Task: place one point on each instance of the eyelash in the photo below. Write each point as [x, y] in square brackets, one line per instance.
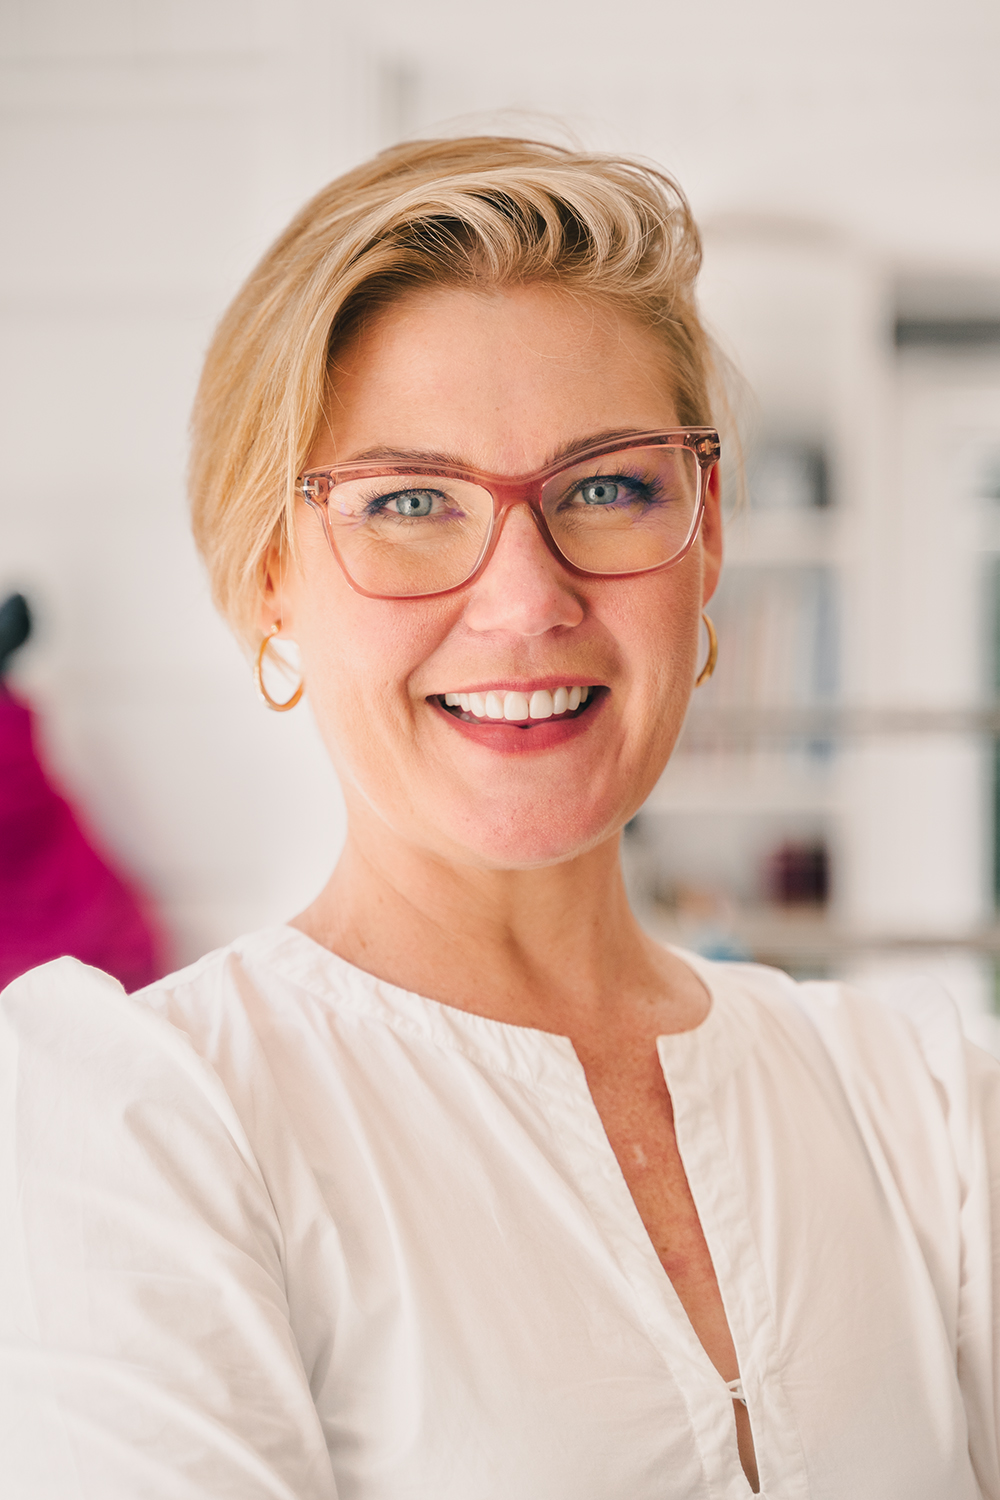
[647, 490]
[377, 503]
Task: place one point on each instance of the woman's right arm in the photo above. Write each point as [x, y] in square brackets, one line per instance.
[145, 1346]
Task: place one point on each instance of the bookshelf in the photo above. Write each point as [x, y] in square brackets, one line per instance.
[853, 718]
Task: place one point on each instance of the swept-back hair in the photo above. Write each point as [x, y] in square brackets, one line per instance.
[484, 211]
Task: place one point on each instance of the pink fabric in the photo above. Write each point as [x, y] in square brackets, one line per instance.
[57, 895]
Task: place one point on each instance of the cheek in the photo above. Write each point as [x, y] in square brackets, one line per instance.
[656, 622]
[352, 687]
[359, 655]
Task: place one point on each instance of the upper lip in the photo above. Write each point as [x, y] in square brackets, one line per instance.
[507, 685]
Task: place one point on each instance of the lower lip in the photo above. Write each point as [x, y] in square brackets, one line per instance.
[524, 739]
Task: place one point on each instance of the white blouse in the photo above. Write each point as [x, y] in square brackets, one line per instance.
[273, 1228]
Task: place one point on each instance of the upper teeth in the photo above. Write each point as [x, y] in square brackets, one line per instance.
[519, 706]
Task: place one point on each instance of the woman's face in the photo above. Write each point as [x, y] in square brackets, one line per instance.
[498, 381]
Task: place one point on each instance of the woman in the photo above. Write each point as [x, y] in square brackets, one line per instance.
[459, 1186]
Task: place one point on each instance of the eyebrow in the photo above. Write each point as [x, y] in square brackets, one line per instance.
[387, 455]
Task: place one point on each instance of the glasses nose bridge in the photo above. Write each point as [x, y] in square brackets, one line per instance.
[509, 493]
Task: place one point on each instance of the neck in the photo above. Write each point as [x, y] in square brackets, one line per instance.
[557, 948]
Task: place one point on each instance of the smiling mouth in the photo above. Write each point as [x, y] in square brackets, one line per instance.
[523, 710]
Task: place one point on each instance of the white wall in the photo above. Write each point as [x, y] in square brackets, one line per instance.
[875, 117]
[149, 153]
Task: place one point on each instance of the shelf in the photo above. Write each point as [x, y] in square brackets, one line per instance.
[796, 938]
[732, 726]
[716, 781]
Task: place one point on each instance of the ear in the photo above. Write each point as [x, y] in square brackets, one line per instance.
[711, 536]
[275, 604]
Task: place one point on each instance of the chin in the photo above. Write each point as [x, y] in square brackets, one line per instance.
[524, 839]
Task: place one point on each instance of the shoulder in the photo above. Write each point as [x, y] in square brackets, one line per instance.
[65, 1018]
[245, 1041]
[912, 1079]
[189, 1079]
[913, 1021]
[67, 1015]
[97, 1087]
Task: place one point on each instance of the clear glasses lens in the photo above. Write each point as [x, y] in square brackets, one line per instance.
[624, 512]
[403, 534]
[410, 534]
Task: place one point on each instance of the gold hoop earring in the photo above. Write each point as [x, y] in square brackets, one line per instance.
[713, 653]
[258, 677]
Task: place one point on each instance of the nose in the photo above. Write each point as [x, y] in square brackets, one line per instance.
[523, 590]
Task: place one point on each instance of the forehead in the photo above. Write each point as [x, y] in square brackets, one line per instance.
[497, 379]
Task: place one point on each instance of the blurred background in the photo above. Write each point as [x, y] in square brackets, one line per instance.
[833, 806]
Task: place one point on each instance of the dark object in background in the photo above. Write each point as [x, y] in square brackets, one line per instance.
[798, 874]
[15, 626]
[57, 895]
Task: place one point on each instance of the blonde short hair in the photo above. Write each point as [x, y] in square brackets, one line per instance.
[482, 211]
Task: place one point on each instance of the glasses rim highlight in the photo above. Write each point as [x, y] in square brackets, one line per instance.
[315, 485]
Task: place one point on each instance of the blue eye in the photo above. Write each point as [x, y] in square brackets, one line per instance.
[599, 492]
[412, 502]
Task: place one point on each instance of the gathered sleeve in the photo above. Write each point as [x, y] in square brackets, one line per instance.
[145, 1343]
[967, 1082]
[979, 1319]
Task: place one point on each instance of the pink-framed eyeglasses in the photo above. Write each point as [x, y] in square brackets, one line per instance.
[408, 530]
